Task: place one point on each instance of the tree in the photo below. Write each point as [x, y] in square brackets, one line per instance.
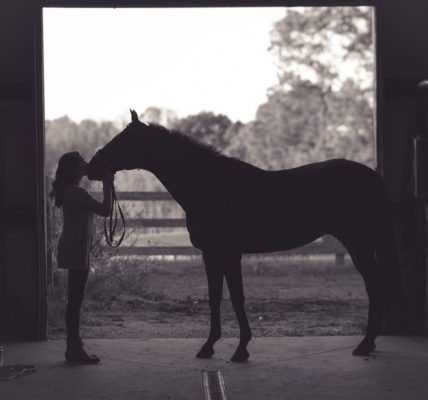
[322, 105]
[160, 116]
[63, 135]
[319, 43]
[207, 127]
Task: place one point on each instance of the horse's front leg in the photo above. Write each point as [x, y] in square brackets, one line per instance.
[213, 268]
[234, 281]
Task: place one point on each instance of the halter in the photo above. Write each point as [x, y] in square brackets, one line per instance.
[110, 222]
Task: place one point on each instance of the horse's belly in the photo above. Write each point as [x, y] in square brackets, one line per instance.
[257, 232]
[276, 240]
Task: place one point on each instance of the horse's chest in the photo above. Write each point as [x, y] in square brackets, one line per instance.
[206, 230]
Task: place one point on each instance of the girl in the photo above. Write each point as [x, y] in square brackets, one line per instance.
[75, 241]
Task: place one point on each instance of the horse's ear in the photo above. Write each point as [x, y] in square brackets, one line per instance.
[134, 116]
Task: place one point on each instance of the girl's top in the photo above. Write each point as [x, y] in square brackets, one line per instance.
[78, 210]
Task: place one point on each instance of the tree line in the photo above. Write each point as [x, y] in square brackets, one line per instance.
[321, 107]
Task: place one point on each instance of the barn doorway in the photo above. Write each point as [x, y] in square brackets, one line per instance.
[303, 79]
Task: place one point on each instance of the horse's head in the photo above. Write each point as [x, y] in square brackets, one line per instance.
[122, 152]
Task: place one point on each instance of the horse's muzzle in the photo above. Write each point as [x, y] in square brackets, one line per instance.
[95, 175]
[99, 166]
[99, 175]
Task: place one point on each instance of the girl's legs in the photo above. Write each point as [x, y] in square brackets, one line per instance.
[76, 291]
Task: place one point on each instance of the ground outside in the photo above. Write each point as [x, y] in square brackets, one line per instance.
[298, 368]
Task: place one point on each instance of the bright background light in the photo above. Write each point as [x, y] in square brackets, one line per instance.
[98, 63]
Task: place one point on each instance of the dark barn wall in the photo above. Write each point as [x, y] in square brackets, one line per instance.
[20, 269]
[402, 62]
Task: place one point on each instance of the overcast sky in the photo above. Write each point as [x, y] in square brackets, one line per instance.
[101, 62]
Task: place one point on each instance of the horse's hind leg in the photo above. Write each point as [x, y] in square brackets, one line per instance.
[364, 260]
[372, 282]
[234, 281]
[214, 270]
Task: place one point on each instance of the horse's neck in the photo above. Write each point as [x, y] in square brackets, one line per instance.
[178, 183]
[180, 172]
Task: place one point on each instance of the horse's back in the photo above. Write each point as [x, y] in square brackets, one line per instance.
[334, 171]
[289, 208]
[326, 183]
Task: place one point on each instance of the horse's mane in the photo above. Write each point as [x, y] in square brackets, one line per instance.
[186, 144]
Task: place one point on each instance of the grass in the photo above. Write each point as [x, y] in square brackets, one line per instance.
[140, 298]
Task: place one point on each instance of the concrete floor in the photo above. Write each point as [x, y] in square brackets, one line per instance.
[313, 368]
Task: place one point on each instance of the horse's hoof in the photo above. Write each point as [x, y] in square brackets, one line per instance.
[364, 349]
[205, 352]
[240, 356]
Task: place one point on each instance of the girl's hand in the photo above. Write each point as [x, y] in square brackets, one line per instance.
[109, 178]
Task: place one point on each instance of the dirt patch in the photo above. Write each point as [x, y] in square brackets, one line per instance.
[284, 297]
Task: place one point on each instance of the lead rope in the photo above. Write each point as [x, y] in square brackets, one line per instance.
[110, 222]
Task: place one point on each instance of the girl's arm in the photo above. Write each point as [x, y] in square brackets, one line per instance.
[107, 194]
[82, 199]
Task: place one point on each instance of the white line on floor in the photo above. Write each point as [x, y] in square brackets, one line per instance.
[214, 386]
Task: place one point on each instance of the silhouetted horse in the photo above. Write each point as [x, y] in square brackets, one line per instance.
[233, 208]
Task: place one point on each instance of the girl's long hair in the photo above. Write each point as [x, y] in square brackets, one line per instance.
[66, 175]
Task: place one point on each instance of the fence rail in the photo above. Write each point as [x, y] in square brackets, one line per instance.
[156, 223]
[327, 245]
[144, 196]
